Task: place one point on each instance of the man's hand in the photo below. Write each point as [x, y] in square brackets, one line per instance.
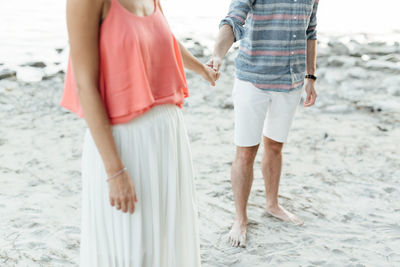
[215, 63]
[311, 94]
[209, 74]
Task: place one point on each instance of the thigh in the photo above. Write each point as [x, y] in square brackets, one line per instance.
[280, 115]
[250, 107]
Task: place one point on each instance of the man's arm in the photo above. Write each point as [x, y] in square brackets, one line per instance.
[311, 56]
[231, 30]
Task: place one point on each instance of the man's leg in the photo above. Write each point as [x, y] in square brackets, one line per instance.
[250, 105]
[271, 170]
[276, 130]
[242, 178]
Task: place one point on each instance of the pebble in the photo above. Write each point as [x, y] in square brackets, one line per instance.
[35, 64]
[341, 61]
[6, 73]
[227, 104]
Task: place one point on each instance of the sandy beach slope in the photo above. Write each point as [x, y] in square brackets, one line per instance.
[341, 169]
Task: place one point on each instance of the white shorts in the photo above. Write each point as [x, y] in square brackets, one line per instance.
[260, 112]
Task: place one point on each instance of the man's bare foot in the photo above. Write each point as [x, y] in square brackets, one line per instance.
[281, 213]
[237, 235]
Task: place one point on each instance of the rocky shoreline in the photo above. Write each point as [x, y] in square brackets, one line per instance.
[341, 167]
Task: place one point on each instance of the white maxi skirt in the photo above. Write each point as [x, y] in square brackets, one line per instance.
[163, 231]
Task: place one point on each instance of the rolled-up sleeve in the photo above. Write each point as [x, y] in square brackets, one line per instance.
[312, 26]
[236, 17]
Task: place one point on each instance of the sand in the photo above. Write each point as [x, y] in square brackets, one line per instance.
[341, 169]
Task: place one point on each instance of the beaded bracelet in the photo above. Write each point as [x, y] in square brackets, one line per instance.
[117, 174]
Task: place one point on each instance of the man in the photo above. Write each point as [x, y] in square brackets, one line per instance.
[277, 50]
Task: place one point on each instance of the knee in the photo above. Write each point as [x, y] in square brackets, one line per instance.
[246, 156]
[272, 147]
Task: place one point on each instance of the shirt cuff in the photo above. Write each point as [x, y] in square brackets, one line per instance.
[237, 27]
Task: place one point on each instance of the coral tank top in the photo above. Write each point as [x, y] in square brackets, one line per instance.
[140, 66]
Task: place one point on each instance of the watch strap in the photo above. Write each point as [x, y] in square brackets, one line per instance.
[310, 76]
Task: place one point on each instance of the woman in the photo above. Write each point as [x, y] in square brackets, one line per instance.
[126, 76]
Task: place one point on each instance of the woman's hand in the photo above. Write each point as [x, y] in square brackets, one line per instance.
[209, 75]
[122, 193]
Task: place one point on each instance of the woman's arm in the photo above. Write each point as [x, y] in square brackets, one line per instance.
[192, 63]
[83, 18]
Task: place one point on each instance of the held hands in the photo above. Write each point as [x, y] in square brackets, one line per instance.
[210, 75]
[215, 63]
[311, 94]
[211, 70]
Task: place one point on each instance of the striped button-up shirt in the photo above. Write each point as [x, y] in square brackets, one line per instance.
[273, 34]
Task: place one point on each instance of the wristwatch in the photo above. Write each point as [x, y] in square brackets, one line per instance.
[310, 76]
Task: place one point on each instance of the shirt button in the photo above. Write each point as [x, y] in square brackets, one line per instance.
[295, 0]
[295, 17]
[292, 53]
[294, 35]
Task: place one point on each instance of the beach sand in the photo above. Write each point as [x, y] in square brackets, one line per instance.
[341, 168]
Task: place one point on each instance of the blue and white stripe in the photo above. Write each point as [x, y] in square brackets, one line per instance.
[273, 34]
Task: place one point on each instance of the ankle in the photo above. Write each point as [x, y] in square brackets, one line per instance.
[241, 220]
[273, 205]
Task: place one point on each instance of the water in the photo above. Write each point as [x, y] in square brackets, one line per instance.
[31, 30]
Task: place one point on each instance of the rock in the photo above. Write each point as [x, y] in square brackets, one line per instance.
[227, 104]
[381, 128]
[395, 90]
[53, 75]
[389, 105]
[380, 65]
[392, 85]
[28, 74]
[358, 73]
[392, 58]
[338, 48]
[35, 64]
[379, 48]
[6, 73]
[324, 51]
[340, 61]
[197, 51]
[365, 57]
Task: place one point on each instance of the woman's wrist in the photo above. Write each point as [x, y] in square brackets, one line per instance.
[117, 174]
[113, 166]
[198, 67]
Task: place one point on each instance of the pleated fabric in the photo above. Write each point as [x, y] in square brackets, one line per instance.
[163, 231]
